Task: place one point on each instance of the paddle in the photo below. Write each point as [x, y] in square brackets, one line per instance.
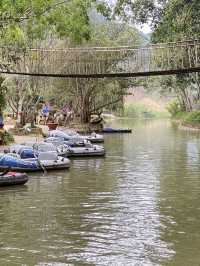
[41, 165]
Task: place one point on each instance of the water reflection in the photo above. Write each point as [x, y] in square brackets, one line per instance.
[136, 206]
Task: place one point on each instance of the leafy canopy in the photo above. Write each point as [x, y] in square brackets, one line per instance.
[22, 21]
[180, 21]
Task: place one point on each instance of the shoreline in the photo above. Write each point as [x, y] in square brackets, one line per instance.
[182, 126]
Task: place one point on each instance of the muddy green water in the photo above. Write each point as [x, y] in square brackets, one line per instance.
[140, 205]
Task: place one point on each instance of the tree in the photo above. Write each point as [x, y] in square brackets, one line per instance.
[22, 22]
[28, 23]
[140, 11]
[2, 100]
[180, 21]
[91, 96]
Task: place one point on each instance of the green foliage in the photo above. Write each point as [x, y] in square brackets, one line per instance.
[138, 110]
[6, 137]
[174, 108]
[23, 21]
[175, 25]
[188, 118]
[91, 96]
[112, 33]
[140, 11]
[192, 118]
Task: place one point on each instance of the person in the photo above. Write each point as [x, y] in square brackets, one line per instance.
[45, 112]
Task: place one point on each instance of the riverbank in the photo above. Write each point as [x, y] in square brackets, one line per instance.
[187, 120]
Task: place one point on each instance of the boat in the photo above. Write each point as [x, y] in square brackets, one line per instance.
[16, 164]
[42, 156]
[57, 141]
[88, 150]
[50, 161]
[68, 135]
[95, 138]
[116, 130]
[12, 179]
[47, 154]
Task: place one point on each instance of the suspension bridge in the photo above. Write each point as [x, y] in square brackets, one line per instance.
[103, 62]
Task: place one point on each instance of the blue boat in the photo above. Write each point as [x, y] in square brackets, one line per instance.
[43, 156]
[15, 164]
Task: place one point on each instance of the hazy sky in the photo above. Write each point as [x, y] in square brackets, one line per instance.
[144, 28]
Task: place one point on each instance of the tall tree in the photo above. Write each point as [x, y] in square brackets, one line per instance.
[180, 21]
[24, 21]
[92, 96]
[38, 22]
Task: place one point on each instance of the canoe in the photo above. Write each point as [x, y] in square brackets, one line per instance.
[116, 130]
[13, 179]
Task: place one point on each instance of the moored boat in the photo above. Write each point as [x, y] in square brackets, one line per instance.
[34, 159]
[68, 135]
[116, 130]
[86, 151]
[15, 164]
[12, 179]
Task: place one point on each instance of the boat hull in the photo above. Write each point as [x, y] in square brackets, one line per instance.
[112, 130]
[78, 152]
[95, 140]
[32, 164]
[13, 179]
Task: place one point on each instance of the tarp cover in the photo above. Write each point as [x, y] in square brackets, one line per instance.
[11, 162]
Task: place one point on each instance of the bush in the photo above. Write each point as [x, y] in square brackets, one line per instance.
[174, 108]
[141, 111]
[5, 137]
[192, 118]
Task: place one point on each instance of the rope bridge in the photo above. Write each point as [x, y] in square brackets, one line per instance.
[102, 62]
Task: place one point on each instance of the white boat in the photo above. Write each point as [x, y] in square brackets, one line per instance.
[87, 150]
[74, 142]
[70, 135]
[51, 161]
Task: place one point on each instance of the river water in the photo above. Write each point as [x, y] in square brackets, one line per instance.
[140, 205]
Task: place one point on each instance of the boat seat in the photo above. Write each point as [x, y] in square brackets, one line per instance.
[42, 156]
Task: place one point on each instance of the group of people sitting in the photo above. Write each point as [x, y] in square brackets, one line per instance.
[65, 114]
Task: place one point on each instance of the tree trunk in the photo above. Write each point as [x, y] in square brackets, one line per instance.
[85, 114]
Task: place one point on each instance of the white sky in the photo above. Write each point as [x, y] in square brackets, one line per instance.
[144, 28]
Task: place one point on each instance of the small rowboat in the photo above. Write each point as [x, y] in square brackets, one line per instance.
[12, 179]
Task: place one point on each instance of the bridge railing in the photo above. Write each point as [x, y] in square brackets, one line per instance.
[102, 61]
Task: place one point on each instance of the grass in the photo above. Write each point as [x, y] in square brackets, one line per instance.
[188, 118]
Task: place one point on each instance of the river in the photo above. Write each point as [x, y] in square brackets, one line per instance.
[137, 206]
